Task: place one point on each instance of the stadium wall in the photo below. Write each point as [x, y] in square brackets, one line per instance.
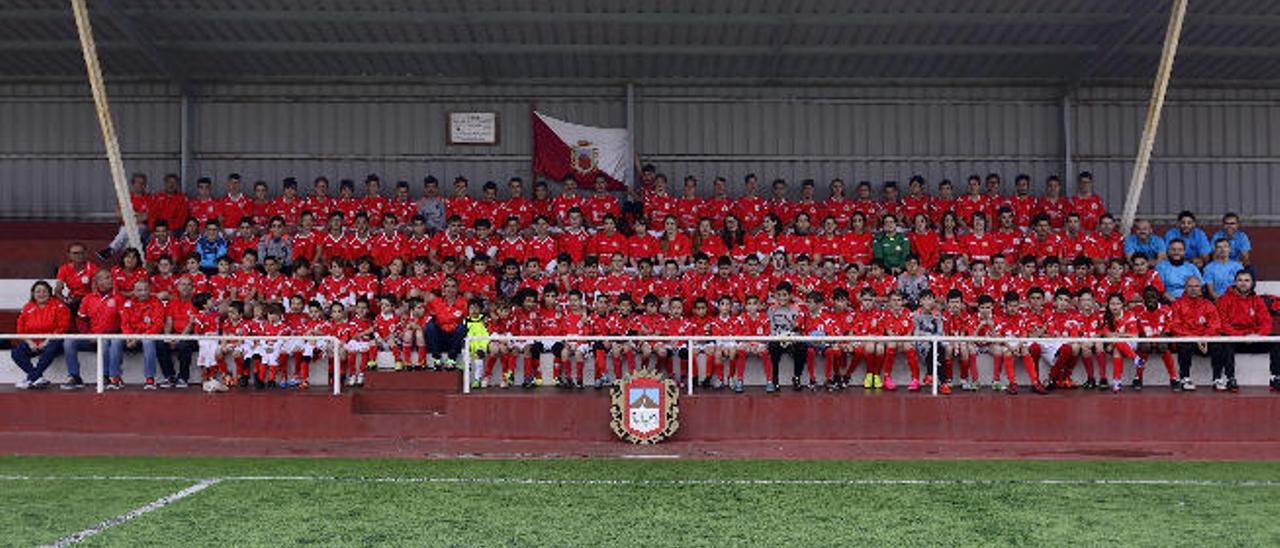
[1219, 149]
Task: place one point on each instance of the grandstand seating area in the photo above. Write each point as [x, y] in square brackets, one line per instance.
[842, 256]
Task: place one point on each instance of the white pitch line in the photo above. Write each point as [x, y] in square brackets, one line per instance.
[658, 482]
[122, 518]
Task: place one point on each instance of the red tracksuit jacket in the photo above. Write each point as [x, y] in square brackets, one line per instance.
[1243, 315]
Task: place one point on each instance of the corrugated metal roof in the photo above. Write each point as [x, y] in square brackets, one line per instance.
[647, 39]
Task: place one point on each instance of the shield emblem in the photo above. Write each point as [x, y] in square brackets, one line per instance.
[584, 157]
[644, 408]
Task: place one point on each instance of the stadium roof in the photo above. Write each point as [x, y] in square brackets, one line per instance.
[1067, 41]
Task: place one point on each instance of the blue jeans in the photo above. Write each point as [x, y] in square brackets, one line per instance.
[22, 353]
[73, 348]
[116, 362]
[440, 341]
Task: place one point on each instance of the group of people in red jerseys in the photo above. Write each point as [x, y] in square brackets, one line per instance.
[415, 275]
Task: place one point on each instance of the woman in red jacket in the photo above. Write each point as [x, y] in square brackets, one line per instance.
[1243, 314]
[42, 314]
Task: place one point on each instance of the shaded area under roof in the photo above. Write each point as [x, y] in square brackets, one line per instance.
[1068, 41]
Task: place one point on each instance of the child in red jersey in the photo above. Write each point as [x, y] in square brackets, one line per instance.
[651, 322]
[1064, 322]
[752, 323]
[364, 282]
[499, 324]
[388, 331]
[364, 352]
[574, 323]
[984, 325]
[897, 322]
[209, 353]
[621, 323]
[700, 325]
[722, 325]
[598, 326]
[958, 321]
[678, 323]
[236, 324]
[337, 287]
[414, 332]
[269, 368]
[821, 322]
[1155, 319]
[1014, 324]
[525, 323]
[1091, 326]
[866, 322]
[1119, 321]
[311, 322]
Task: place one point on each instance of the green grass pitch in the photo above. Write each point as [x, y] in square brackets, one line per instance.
[655, 503]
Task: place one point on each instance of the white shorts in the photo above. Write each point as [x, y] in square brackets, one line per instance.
[207, 356]
[1049, 349]
[270, 352]
[357, 346]
[248, 348]
[293, 346]
[583, 349]
[731, 345]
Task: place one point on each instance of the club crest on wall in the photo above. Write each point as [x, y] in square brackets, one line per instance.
[644, 408]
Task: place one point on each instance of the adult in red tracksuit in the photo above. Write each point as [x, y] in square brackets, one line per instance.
[1193, 316]
[446, 330]
[140, 315]
[1243, 314]
[42, 314]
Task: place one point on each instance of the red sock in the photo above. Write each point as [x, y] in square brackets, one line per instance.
[859, 355]
[740, 362]
[1007, 361]
[601, 365]
[557, 367]
[1032, 371]
[972, 365]
[947, 368]
[1167, 358]
[579, 364]
[766, 361]
[1087, 360]
[240, 369]
[828, 362]
[810, 357]
[631, 362]
[508, 364]
[1138, 372]
[913, 362]
[1101, 360]
[1035, 352]
[996, 363]
[422, 355]
[396, 354]
[1117, 368]
[528, 365]
[886, 361]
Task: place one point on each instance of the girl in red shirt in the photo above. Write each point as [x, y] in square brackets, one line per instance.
[1120, 321]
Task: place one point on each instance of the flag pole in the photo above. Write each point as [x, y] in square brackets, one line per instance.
[533, 144]
[103, 108]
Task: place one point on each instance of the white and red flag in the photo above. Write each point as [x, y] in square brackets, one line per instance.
[564, 150]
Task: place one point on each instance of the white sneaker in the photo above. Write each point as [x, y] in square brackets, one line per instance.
[359, 379]
[214, 385]
[1220, 385]
[41, 383]
[1187, 385]
[484, 383]
[22, 384]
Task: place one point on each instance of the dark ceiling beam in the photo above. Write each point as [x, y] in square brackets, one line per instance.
[637, 49]
[653, 18]
[1114, 39]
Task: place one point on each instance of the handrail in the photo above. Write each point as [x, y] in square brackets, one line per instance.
[333, 342]
[933, 340]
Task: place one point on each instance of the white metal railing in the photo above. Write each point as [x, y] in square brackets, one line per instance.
[933, 341]
[333, 345]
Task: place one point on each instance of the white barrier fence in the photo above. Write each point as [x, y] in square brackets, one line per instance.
[330, 342]
[688, 342]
